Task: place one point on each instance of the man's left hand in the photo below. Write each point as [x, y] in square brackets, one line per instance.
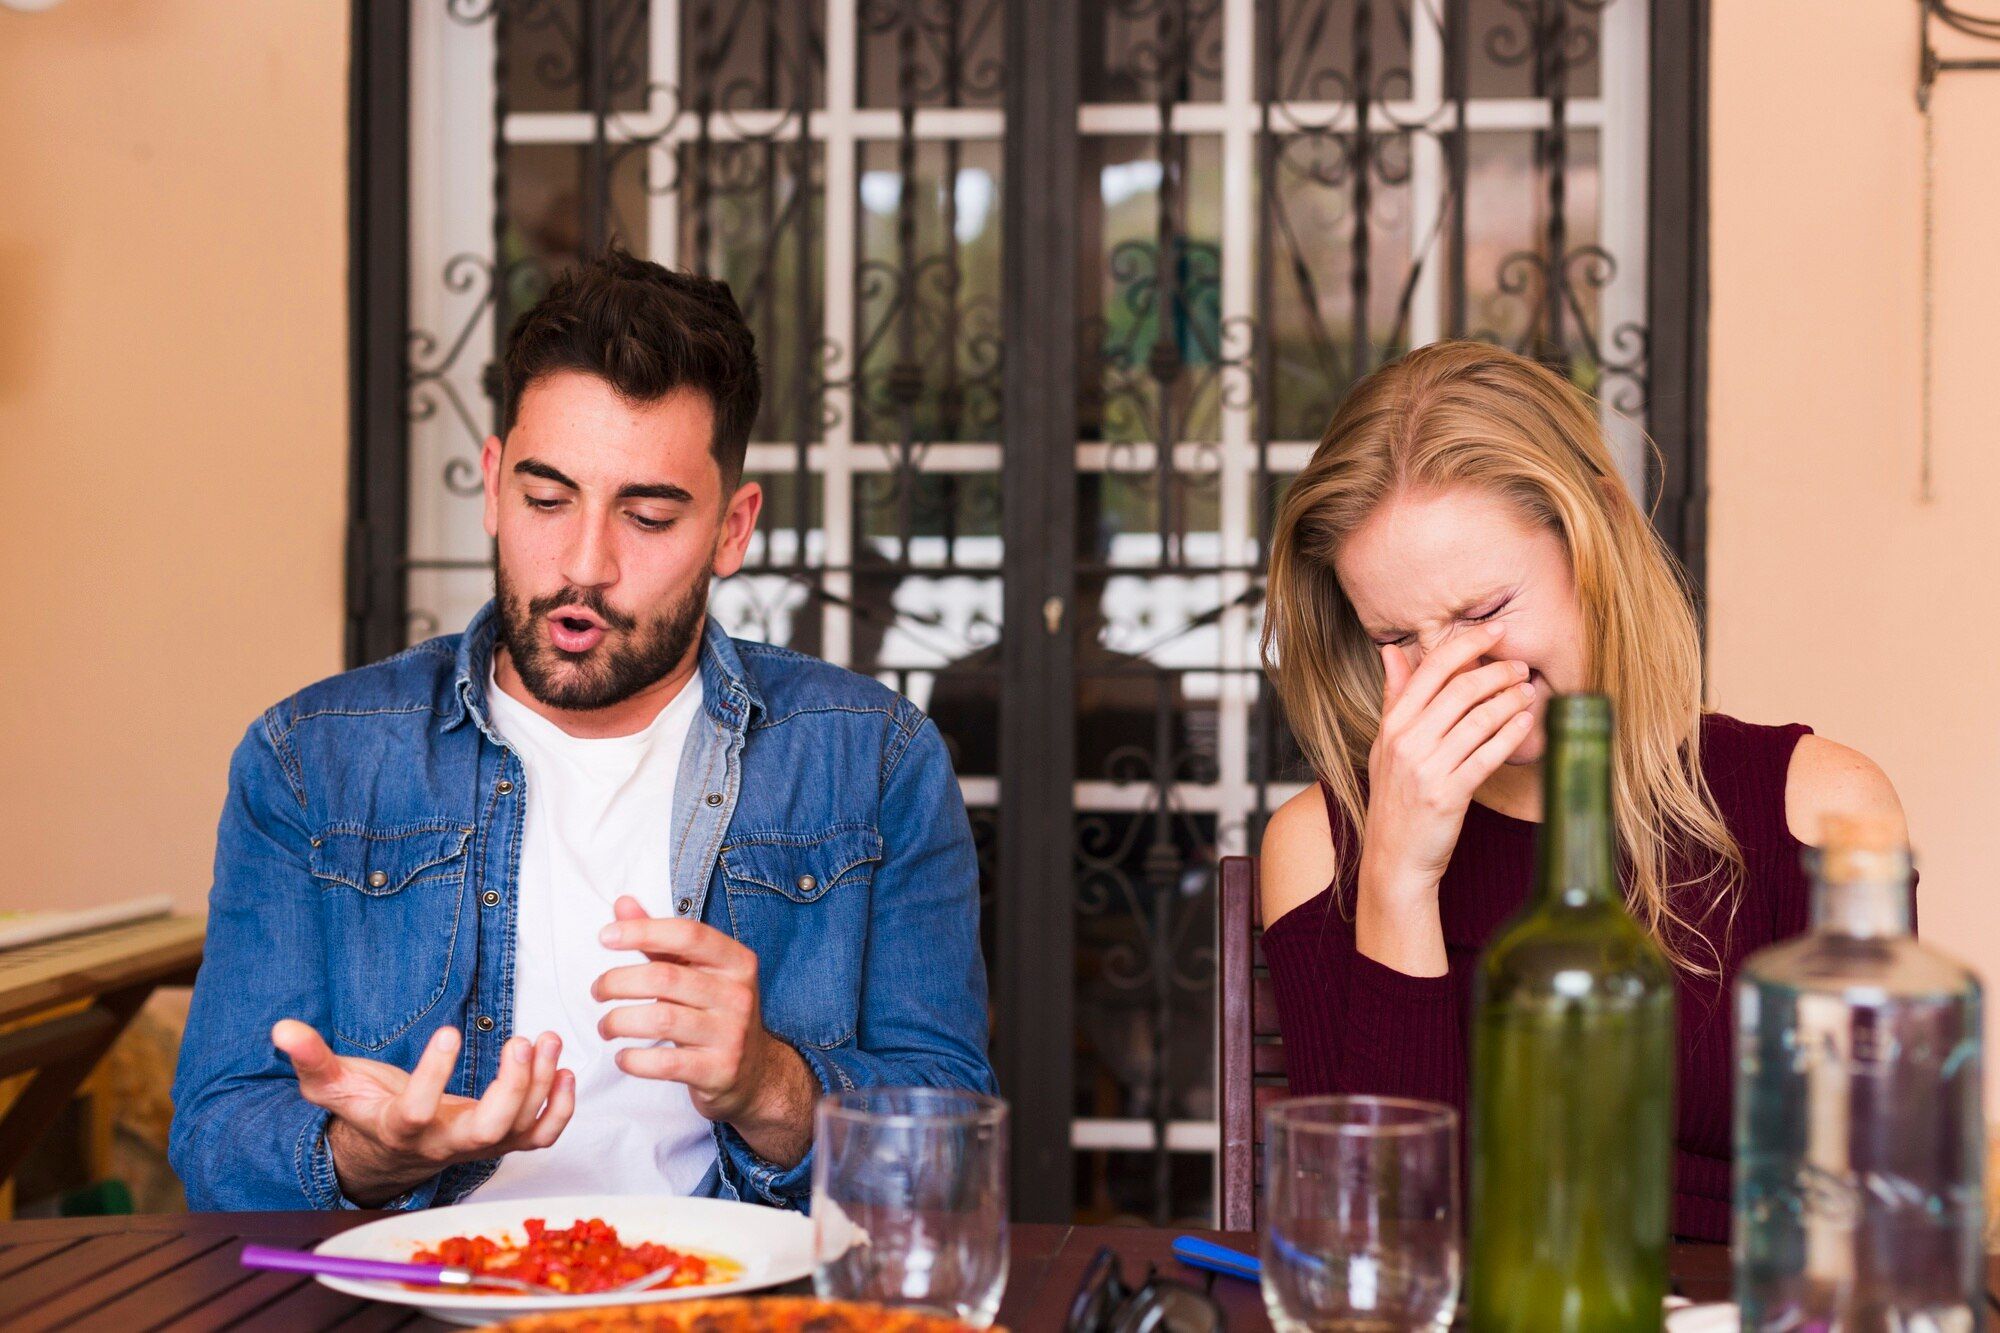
[700, 988]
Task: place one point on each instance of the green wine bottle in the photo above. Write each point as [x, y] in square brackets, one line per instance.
[1572, 1076]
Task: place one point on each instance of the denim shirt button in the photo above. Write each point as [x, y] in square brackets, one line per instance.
[490, 898]
[377, 878]
[684, 906]
[714, 798]
[807, 883]
[484, 1023]
[503, 786]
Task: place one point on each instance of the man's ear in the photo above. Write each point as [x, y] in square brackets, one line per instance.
[489, 476]
[739, 521]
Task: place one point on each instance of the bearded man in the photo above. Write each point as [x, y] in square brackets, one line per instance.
[590, 898]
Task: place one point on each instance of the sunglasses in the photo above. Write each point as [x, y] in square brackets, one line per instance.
[1105, 1304]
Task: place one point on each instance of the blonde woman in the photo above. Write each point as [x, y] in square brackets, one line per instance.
[1459, 549]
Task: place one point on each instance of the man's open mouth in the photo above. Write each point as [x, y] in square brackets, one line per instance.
[573, 631]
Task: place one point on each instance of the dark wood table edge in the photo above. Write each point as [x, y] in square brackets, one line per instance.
[1047, 1261]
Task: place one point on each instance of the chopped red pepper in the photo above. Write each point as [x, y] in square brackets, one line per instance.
[579, 1259]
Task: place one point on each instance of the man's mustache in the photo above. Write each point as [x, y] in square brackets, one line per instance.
[590, 600]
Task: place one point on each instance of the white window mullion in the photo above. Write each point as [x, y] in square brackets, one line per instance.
[1622, 214]
[1130, 119]
[1126, 1134]
[878, 123]
[1238, 308]
[1427, 175]
[451, 219]
[843, 61]
[663, 209]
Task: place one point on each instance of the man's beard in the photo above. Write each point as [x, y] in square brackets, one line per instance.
[626, 660]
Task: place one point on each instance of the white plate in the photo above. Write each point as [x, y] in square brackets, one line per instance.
[772, 1245]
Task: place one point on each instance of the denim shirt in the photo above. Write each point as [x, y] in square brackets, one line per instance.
[366, 876]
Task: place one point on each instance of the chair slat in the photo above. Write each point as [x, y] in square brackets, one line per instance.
[1252, 1062]
[1263, 1006]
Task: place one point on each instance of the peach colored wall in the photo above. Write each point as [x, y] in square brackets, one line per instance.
[1837, 597]
[172, 427]
[172, 419]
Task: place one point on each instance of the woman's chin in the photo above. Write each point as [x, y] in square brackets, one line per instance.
[1529, 751]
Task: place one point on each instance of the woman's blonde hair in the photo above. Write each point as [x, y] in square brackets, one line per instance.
[1456, 414]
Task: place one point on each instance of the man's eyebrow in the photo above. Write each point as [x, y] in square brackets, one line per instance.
[638, 490]
[535, 467]
[654, 490]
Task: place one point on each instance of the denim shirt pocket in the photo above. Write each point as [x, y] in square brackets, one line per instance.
[801, 902]
[391, 900]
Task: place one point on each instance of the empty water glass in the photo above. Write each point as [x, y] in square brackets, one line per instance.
[909, 1201]
[1361, 1214]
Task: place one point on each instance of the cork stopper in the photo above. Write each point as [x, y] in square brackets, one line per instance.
[1858, 848]
[1860, 833]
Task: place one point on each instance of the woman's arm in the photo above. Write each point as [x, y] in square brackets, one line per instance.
[1350, 1023]
[1297, 860]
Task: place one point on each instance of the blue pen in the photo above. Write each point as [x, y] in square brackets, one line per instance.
[1198, 1253]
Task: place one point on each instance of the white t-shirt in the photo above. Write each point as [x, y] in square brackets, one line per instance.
[598, 818]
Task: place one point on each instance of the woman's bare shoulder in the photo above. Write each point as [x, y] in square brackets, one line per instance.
[1828, 778]
[1296, 861]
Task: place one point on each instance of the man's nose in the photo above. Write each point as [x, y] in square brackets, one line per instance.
[590, 561]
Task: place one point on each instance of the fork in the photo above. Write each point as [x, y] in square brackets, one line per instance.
[427, 1275]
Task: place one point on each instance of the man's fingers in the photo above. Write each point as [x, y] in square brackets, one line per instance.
[416, 1105]
[312, 1059]
[548, 1126]
[628, 908]
[662, 981]
[680, 940]
[674, 1064]
[541, 1081]
[663, 1022]
[490, 1121]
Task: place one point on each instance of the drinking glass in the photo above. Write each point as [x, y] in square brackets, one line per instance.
[910, 1200]
[1361, 1214]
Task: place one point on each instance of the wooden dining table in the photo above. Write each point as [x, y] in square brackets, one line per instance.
[180, 1272]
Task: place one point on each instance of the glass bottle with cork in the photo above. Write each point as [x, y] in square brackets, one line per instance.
[1860, 1138]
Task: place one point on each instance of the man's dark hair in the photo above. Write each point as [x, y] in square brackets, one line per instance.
[646, 330]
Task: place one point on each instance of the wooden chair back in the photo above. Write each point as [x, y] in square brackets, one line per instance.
[1251, 1069]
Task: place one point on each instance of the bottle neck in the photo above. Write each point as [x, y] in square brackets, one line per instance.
[1865, 895]
[1579, 842]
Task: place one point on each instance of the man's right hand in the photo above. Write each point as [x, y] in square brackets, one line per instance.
[393, 1130]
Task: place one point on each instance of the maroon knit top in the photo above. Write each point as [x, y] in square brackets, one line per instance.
[1352, 1025]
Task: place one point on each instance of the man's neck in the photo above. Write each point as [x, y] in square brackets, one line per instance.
[623, 718]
